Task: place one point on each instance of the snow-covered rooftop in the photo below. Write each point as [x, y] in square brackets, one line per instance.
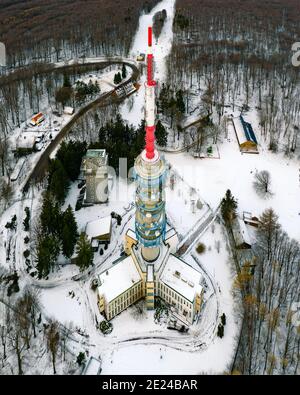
[98, 228]
[68, 110]
[26, 140]
[96, 153]
[181, 277]
[243, 130]
[150, 273]
[131, 234]
[244, 232]
[122, 276]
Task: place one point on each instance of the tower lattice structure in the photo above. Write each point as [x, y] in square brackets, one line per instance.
[150, 169]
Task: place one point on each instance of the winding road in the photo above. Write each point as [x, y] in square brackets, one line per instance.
[104, 100]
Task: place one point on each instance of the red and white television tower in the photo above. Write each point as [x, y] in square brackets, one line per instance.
[150, 169]
[150, 101]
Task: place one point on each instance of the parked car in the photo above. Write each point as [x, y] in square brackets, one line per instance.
[38, 147]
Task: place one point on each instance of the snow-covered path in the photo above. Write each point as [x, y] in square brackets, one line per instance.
[162, 46]
[161, 49]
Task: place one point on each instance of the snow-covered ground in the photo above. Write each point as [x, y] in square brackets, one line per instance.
[142, 346]
[53, 123]
[235, 171]
[207, 353]
[105, 77]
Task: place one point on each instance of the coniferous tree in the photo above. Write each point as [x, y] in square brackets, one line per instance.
[70, 155]
[90, 87]
[223, 319]
[163, 99]
[161, 134]
[228, 207]
[220, 332]
[47, 252]
[97, 87]
[27, 219]
[50, 216]
[180, 102]
[85, 253]
[117, 78]
[124, 71]
[67, 82]
[121, 141]
[58, 180]
[69, 233]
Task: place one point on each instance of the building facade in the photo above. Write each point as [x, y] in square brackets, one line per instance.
[94, 167]
[169, 278]
[120, 287]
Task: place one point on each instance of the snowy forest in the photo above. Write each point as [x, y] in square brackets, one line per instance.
[239, 54]
[268, 283]
[226, 57]
[110, 28]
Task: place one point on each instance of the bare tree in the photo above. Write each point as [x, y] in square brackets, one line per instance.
[22, 320]
[31, 302]
[6, 192]
[53, 342]
[4, 330]
[17, 344]
[262, 183]
[64, 337]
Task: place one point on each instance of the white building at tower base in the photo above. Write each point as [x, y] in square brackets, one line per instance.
[131, 278]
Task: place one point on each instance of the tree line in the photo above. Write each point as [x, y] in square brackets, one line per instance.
[24, 337]
[124, 141]
[56, 231]
[268, 280]
[48, 31]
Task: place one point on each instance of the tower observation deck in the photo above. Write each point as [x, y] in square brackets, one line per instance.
[150, 168]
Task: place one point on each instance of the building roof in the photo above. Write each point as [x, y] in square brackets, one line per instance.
[15, 174]
[37, 116]
[243, 235]
[68, 110]
[249, 133]
[181, 277]
[26, 140]
[95, 153]
[118, 279]
[150, 273]
[98, 227]
[95, 157]
[244, 131]
[131, 234]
